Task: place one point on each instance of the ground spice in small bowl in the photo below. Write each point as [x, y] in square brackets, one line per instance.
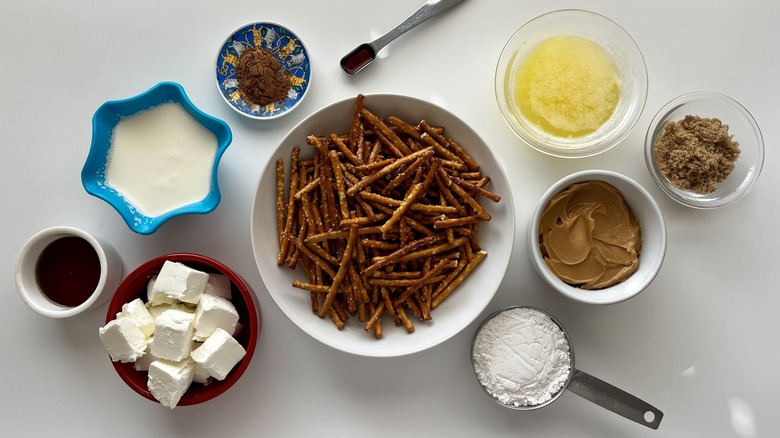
[261, 78]
[696, 153]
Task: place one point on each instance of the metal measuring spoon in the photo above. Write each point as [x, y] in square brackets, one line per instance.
[584, 385]
[364, 54]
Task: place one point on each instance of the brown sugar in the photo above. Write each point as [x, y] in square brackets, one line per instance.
[696, 153]
[261, 77]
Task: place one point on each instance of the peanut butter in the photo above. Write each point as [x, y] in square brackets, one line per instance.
[589, 236]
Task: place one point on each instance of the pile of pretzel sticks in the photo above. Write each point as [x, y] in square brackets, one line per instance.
[383, 220]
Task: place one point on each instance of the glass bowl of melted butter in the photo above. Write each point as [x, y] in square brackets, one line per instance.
[571, 83]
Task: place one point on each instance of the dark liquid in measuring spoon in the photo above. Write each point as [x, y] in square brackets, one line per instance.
[68, 271]
[357, 59]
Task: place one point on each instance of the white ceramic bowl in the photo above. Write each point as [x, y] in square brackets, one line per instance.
[457, 311]
[30, 290]
[619, 46]
[651, 223]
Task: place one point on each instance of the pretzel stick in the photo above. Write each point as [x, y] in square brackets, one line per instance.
[308, 188]
[400, 253]
[395, 274]
[388, 169]
[380, 244]
[280, 199]
[433, 250]
[336, 318]
[380, 126]
[344, 149]
[340, 234]
[375, 315]
[447, 193]
[409, 199]
[309, 253]
[391, 202]
[290, 207]
[343, 315]
[410, 130]
[370, 166]
[334, 162]
[354, 132]
[463, 183]
[457, 222]
[465, 196]
[478, 257]
[470, 162]
[423, 280]
[403, 282]
[310, 287]
[440, 149]
[362, 293]
[404, 319]
[434, 134]
[341, 272]
[374, 152]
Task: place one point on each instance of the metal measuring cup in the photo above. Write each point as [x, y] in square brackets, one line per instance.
[582, 384]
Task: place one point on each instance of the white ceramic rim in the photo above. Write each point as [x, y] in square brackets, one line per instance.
[650, 267]
[26, 283]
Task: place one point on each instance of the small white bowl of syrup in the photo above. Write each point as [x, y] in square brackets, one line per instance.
[63, 271]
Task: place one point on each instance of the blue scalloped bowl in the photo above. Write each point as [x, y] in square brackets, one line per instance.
[287, 48]
[93, 175]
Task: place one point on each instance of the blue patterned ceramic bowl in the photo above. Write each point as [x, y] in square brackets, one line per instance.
[287, 48]
[93, 175]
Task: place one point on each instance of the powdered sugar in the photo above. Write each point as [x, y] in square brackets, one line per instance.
[521, 357]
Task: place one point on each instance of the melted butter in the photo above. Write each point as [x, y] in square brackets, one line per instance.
[589, 236]
[567, 86]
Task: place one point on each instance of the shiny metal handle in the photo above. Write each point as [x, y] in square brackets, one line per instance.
[614, 399]
[426, 11]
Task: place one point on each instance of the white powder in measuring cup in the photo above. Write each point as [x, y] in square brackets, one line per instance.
[521, 357]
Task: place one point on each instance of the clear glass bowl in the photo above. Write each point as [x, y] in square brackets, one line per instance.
[741, 125]
[619, 46]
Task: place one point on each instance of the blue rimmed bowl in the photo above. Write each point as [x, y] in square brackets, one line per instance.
[286, 47]
[108, 115]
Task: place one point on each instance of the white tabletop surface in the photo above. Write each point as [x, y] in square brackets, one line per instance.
[700, 343]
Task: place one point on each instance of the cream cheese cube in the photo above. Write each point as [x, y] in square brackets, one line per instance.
[173, 331]
[142, 363]
[124, 341]
[158, 309]
[219, 285]
[181, 282]
[155, 297]
[219, 354]
[168, 381]
[214, 312]
[136, 312]
[201, 376]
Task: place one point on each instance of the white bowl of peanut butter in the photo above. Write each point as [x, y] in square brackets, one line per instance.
[597, 236]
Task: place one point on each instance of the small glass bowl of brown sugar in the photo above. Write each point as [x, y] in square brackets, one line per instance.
[704, 149]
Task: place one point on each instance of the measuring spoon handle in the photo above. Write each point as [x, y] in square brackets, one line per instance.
[614, 399]
[426, 11]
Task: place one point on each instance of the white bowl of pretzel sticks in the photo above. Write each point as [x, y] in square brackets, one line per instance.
[428, 236]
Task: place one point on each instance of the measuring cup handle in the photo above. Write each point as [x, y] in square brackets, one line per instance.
[614, 399]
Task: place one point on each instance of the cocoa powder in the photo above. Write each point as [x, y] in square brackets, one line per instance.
[696, 153]
[261, 77]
